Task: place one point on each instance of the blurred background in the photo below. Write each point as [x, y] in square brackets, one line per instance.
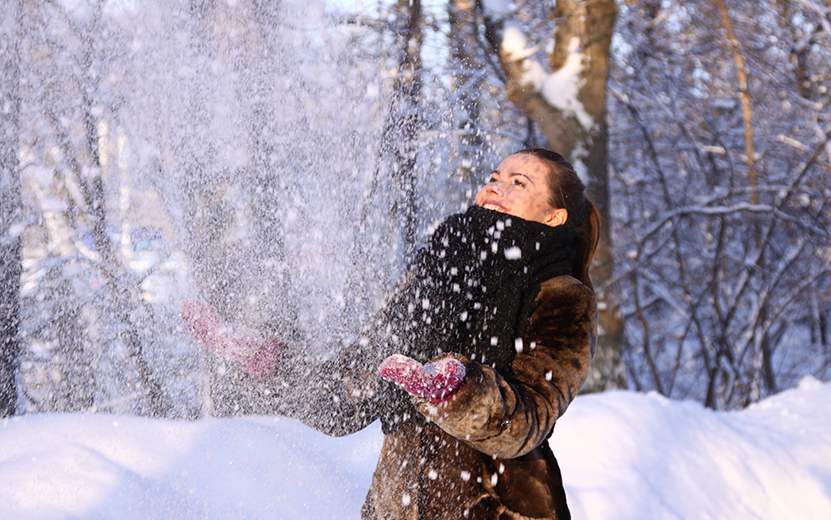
[284, 160]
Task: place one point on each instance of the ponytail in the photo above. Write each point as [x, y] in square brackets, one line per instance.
[585, 244]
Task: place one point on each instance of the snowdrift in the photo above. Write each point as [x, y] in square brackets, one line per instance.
[624, 455]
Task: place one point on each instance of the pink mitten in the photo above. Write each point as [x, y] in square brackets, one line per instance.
[256, 354]
[437, 381]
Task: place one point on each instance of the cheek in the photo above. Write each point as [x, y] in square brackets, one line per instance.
[537, 205]
[521, 197]
[480, 195]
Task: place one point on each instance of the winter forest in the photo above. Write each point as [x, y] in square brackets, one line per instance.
[284, 160]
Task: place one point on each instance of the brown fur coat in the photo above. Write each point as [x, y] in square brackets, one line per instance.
[484, 453]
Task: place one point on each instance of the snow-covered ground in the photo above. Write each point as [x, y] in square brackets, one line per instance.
[624, 455]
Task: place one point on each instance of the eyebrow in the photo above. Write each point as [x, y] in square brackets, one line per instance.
[518, 174]
[514, 174]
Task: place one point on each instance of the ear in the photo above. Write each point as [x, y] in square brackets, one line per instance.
[556, 217]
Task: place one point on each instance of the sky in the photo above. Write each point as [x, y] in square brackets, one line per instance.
[624, 456]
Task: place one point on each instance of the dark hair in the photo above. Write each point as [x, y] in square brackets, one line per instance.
[567, 191]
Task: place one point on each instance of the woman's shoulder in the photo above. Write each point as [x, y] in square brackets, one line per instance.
[567, 285]
[566, 293]
[565, 313]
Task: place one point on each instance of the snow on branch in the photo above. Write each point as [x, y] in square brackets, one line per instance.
[735, 208]
[559, 88]
[497, 8]
[671, 217]
[821, 12]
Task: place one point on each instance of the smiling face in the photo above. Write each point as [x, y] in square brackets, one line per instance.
[519, 187]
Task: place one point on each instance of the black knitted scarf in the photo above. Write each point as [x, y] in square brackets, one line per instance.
[474, 287]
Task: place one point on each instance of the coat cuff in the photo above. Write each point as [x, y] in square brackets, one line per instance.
[469, 413]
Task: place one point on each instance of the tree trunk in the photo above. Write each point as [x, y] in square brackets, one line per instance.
[128, 303]
[467, 80]
[10, 205]
[400, 137]
[579, 132]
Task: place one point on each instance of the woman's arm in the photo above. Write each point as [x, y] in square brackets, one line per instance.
[343, 394]
[509, 416]
[337, 397]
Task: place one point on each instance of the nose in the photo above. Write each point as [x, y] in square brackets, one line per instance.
[496, 187]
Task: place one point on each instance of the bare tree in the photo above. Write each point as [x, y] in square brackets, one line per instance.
[468, 68]
[568, 103]
[399, 142]
[74, 68]
[727, 207]
[10, 204]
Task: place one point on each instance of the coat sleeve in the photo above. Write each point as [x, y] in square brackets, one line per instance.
[338, 396]
[343, 394]
[508, 416]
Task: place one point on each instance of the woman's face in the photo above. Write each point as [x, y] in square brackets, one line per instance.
[519, 187]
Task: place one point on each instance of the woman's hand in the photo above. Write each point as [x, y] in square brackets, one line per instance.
[437, 381]
[256, 354]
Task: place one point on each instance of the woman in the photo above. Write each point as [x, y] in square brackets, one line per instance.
[480, 350]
